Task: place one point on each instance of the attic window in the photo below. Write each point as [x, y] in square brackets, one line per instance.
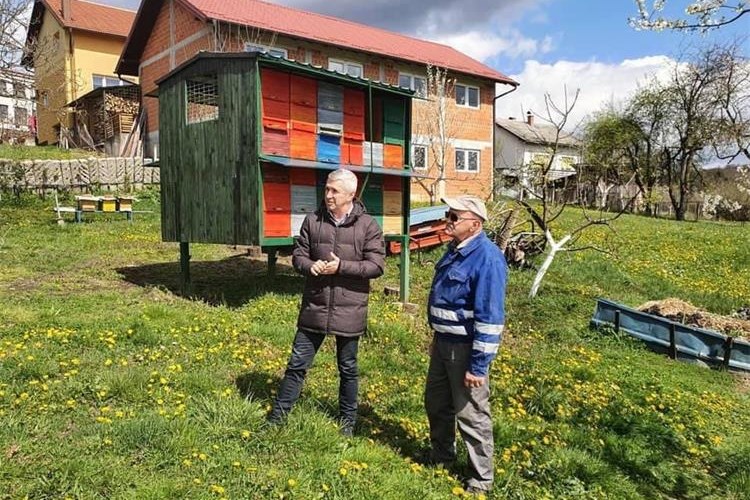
[202, 99]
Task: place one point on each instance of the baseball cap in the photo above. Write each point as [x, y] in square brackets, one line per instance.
[468, 203]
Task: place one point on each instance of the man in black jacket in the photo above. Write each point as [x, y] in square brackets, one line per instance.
[339, 250]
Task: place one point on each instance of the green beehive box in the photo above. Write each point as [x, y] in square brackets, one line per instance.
[394, 129]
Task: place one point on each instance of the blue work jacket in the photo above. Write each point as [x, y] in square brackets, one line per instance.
[467, 299]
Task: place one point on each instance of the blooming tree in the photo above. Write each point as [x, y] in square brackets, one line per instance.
[701, 15]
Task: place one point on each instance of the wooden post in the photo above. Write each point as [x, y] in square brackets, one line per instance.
[272, 261]
[727, 352]
[672, 341]
[617, 321]
[404, 271]
[185, 267]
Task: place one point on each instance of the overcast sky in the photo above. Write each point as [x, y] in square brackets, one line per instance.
[546, 45]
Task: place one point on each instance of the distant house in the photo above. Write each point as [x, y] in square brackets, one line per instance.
[17, 120]
[167, 33]
[522, 146]
[73, 47]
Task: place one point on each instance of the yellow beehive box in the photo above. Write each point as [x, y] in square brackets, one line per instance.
[125, 203]
[392, 224]
[392, 202]
[87, 203]
[108, 204]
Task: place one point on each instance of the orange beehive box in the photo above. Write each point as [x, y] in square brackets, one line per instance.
[303, 140]
[393, 156]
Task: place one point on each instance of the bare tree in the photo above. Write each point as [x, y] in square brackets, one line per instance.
[702, 15]
[544, 211]
[437, 125]
[733, 91]
[14, 17]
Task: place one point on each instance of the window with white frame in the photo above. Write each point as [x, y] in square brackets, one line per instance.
[346, 67]
[271, 51]
[416, 83]
[419, 157]
[3, 112]
[467, 95]
[467, 160]
[107, 81]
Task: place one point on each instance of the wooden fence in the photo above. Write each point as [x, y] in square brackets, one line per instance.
[83, 175]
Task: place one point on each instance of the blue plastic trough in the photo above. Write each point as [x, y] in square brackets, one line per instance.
[672, 338]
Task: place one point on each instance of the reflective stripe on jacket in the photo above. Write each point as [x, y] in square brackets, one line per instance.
[467, 299]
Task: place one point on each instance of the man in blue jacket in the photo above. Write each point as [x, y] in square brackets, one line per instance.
[466, 312]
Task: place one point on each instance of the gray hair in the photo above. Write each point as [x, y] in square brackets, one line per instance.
[347, 179]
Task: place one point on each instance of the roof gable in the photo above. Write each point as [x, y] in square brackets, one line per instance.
[541, 134]
[310, 26]
[85, 16]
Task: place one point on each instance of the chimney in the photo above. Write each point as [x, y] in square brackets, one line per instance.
[529, 118]
[66, 12]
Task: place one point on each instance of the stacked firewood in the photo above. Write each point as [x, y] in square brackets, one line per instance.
[115, 104]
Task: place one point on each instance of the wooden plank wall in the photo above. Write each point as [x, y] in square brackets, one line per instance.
[209, 169]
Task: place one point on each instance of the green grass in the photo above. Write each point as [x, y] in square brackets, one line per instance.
[10, 152]
[113, 385]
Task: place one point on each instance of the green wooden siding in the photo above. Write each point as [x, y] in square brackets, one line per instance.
[209, 169]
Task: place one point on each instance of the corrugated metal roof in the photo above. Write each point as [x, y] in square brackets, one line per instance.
[537, 133]
[316, 27]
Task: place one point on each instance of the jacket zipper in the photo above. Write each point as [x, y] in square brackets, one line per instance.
[333, 290]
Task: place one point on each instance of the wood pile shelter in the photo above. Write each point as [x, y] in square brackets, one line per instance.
[106, 119]
[247, 141]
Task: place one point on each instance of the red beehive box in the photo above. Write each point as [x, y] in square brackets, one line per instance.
[304, 91]
[303, 177]
[274, 84]
[354, 125]
[351, 151]
[275, 174]
[275, 139]
[392, 183]
[354, 102]
[277, 216]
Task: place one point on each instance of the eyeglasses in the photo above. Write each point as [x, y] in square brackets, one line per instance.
[453, 217]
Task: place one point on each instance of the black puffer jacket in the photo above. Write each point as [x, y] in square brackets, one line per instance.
[337, 304]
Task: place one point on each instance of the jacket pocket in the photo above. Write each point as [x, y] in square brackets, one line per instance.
[455, 285]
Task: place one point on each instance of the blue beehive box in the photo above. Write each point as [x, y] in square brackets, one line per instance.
[329, 148]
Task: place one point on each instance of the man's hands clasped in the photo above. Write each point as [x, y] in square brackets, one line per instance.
[326, 266]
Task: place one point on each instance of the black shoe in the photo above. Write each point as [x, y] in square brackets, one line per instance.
[427, 459]
[275, 420]
[346, 429]
[475, 490]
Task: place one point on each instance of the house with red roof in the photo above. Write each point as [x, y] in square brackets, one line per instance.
[168, 32]
[73, 47]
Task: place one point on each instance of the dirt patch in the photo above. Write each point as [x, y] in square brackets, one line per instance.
[683, 312]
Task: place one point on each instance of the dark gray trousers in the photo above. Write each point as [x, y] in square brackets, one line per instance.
[449, 402]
